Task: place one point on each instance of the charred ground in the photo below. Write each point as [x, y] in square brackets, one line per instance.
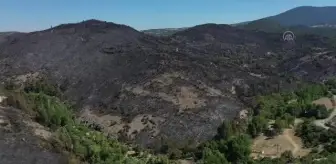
[18, 142]
[187, 83]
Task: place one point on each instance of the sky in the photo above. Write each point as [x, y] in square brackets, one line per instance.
[32, 15]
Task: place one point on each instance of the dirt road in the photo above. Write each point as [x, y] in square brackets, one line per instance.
[291, 141]
[322, 122]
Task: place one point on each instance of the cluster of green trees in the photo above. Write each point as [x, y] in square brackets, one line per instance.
[313, 135]
[285, 107]
[230, 145]
[235, 149]
[295, 103]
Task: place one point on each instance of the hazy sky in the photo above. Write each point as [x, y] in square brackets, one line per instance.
[30, 15]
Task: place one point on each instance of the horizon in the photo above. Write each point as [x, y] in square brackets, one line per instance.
[38, 15]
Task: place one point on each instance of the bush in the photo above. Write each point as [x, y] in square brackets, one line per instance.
[213, 157]
[50, 111]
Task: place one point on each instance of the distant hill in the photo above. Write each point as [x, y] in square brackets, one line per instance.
[300, 20]
[7, 33]
[307, 16]
[320, 19]
[163, 31]
[268, 25]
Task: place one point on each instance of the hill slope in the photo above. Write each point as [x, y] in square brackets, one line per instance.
[184, 85]
[272, 26]
[300, 20]
[307, 16]
[118, 70]
[5, 35]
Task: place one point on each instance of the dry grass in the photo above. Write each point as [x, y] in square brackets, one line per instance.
[324, 101]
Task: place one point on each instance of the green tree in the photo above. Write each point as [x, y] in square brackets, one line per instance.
[279, 125]
[252, 129]
[213, 157]
[239, 149]
[226, 130]
[257, 125]
[288, 119]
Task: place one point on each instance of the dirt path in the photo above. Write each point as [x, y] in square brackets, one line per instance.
[290, 139]
[322, 122]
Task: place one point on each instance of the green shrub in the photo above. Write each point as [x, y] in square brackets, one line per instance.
[50, 111]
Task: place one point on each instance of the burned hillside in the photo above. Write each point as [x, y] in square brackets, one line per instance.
[184, 85]
[20, 140]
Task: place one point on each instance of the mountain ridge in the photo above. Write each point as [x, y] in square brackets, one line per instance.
[309, 16]
[306, 15]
